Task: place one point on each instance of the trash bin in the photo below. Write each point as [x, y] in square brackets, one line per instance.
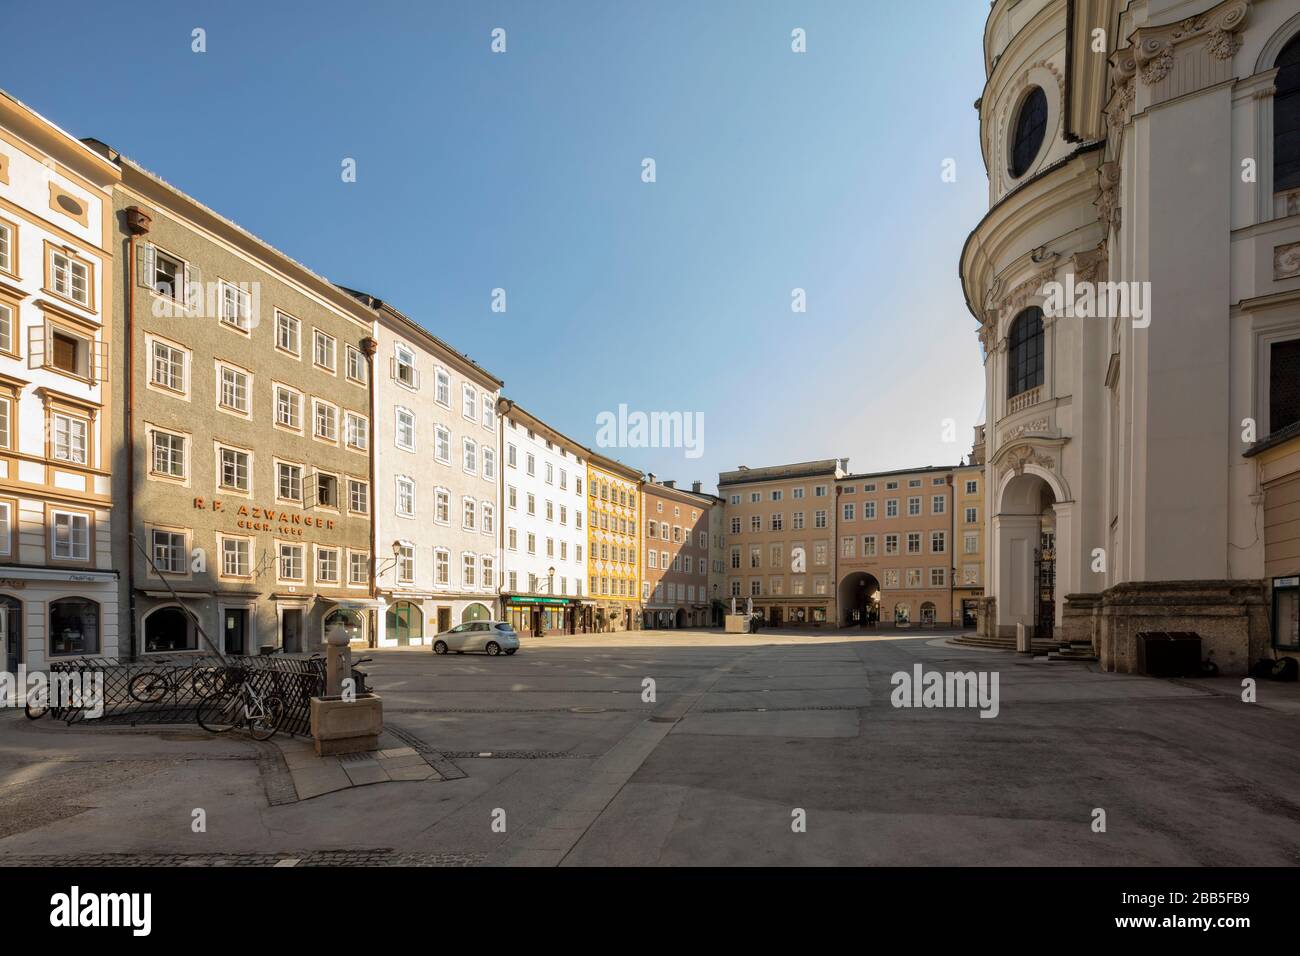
[1169, 653]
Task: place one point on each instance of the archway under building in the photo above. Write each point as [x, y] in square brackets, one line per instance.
[1026, 525]
[859, 600]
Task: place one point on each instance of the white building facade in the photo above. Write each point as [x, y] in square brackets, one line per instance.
[437, 462]
[1136, 279]
[544, 529]
[59, 592]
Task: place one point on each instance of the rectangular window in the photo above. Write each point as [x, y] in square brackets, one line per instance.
[405, 497]
[167, 370]
[469, 402]
[236, 307]
[442, 506]
[169, 551]
[324, 350]
[291, 566]
[70, 277]
[442, 388]
[404, 367]
[234, 469]
[327, 565]
[288, 333]
[234, 390]
[327, 491]
[914, 506]
[442, 568]
[236, 557]
[470, 453]
[325, 421]
[938, 504]
[972, 515]
[938, 542]
[442, 444]
[972, 487]
[71, 536]
[914, 542]
[357, 431]
[868, 545]
[288, 481]
[938, 577]
[168, 454]
[357, 369]
[6, 248]
[468, 564]
[358, 496]
[358, 568]
[288, 408]
[405, 434]
[406, 564]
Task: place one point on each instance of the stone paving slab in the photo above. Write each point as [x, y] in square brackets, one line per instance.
[396, 761]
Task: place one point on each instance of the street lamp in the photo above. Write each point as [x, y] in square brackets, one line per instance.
[389, 565]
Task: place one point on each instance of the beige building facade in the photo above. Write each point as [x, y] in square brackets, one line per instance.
[780, 527]
[59, 582]
[246, 409]
[675, 562]
[895, 540]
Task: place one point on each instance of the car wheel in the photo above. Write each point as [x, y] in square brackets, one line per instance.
[440, 647]
[511, 651]
[493, 648]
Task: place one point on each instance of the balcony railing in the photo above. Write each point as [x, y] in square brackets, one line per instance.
[1025, 400]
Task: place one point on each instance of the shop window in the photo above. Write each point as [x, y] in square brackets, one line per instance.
[74, 627]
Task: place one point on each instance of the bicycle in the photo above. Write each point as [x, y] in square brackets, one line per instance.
[151, 687]
[240, 703]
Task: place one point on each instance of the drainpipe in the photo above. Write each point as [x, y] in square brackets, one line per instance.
[368, 348]
[137, 224]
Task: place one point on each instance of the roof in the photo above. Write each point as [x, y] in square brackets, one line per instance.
[374, 302]
[804, 469]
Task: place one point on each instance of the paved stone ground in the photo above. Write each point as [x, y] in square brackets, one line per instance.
[553, 757]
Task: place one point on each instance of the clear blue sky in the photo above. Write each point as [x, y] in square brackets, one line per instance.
[523, 170]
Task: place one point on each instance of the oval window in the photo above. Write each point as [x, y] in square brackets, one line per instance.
[1030, 128]
[70, 205]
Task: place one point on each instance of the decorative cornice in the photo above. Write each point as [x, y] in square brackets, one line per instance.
[1220, 27]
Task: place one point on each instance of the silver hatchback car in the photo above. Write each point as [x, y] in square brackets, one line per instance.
[490, 637]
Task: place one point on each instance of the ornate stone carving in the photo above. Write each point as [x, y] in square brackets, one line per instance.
[1037, 425]
[1023, 455]
[1286, 261]
[1088, 265]
[1218, 28]
[1108, 176]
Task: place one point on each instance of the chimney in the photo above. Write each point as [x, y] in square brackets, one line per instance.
[670, 484]
[844, 464]
[650, 477]
[695, 486]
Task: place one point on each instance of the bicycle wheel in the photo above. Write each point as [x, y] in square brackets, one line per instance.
[264, 725]
[218, 714]
[148, 687]
[36, 711]
[206, 681]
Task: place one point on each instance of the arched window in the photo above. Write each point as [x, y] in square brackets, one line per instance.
[927, 613]
[1025, 352]
[475, 612]
[405, 621]
[1286, 119]
[74, 626]
[352, 623]
[902, 613]
[168, 629]
[1030, 128]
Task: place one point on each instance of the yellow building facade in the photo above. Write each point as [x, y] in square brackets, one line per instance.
[613, 544]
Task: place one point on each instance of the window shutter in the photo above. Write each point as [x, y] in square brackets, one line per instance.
[99, 371]
[191, 306]
[144, 265]
[36, 346]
